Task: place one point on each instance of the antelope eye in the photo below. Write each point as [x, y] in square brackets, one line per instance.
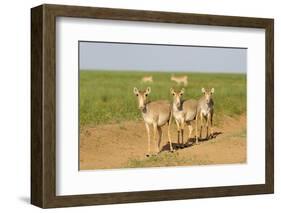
[173, 94]
[145, 94]
[137, 94]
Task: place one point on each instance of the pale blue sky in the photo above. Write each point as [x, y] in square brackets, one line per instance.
[166, 58]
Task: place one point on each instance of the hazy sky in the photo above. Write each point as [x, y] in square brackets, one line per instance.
[143, 57]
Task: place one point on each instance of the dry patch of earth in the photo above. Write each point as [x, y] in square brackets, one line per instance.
[124, 145]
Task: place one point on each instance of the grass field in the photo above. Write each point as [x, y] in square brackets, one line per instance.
[107, 97]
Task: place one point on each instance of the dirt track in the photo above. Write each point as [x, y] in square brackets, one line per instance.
[125, 145]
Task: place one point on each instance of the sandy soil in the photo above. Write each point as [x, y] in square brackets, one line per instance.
[125, 145]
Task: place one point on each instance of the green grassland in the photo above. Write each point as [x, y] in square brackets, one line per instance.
[107, 96]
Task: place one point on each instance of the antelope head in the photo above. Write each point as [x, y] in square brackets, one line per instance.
[177, 97]
[142, 97]
[208, 94]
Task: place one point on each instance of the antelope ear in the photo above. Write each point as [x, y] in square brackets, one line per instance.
[148, 90]
[136, 91]
[203, 90]
[212, 90]
[171, 90]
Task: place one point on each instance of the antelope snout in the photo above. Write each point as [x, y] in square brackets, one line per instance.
[178, 102]
[141, 106]
[208, 99]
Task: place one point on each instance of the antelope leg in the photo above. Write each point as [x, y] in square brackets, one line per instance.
[148, 139]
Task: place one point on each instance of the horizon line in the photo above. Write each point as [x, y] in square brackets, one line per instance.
[163, 71]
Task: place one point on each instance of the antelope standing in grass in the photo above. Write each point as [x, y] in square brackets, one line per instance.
[183, 112]
[205, 111]
[146, 79]
[155, 113]
[180, 79]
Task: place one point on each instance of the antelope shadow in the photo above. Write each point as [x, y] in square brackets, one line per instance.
[189, 143]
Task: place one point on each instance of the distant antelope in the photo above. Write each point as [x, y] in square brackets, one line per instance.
[155, 113]
[180, 79]
[183, 112]
[147, 79]
[205, 110]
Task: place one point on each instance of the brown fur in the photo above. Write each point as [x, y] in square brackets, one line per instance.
[155, 113]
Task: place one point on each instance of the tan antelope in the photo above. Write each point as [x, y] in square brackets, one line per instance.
[155, 113]
[205, 110]
[180, 79]
[146, 79]
[184, 112]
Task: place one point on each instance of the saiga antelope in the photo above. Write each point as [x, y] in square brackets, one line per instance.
[205, 110]
[146, 79]
[155, 113]
[183, 112]
[180, 79]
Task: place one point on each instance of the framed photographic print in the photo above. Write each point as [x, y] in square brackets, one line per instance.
[136, 106]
